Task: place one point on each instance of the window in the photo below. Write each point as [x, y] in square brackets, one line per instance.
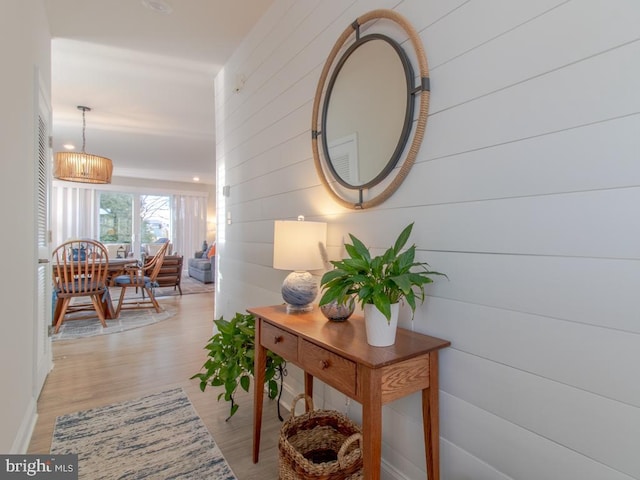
[155, 220]
[118, 223]
[116, 218]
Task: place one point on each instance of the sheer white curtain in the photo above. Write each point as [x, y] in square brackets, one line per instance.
[190, 223]
[73, 212]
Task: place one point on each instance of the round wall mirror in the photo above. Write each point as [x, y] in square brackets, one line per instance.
[363, 139]
[363, 116]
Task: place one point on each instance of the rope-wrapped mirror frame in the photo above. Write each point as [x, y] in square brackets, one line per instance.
[422, 112]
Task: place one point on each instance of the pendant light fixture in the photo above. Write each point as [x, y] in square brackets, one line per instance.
[82, 167]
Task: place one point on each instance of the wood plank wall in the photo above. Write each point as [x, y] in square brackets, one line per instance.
[525, 192]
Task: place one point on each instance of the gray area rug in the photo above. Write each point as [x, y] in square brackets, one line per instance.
[189, 286]
[88, 325]
[129, 319]
[158, 436]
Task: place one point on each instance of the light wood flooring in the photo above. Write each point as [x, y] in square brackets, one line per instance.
[97, 371]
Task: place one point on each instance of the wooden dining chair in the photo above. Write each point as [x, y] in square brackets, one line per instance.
[144, 278]
[79, 269]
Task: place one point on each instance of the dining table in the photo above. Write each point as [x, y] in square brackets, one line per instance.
[117, 266]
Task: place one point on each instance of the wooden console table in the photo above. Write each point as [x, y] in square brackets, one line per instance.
[338, 354]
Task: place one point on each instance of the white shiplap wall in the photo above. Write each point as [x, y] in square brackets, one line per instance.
[525, 192]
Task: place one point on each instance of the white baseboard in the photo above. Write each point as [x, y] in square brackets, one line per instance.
[288, 394]
[389, 472]
[23, 437]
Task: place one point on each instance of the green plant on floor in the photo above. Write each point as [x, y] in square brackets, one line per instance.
[230, 358]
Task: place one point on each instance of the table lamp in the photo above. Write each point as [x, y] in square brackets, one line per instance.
[297, 247]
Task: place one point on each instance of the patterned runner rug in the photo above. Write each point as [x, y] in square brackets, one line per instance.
[158, 436]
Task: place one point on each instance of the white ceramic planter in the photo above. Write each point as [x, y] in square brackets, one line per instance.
[380, 333]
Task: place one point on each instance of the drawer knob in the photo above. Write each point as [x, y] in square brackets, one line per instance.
[324, 364]
[277, 339]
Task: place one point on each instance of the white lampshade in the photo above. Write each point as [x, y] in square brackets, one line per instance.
[297, 245]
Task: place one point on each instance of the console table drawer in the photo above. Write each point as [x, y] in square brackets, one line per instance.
[329, 367]
[279, 341]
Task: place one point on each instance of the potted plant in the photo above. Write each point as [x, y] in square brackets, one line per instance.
[230, 361]
[378, 284]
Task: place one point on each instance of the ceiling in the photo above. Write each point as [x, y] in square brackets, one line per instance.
[148, 78]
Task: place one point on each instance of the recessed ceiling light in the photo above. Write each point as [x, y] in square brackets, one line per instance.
[68, 146]
[196, 179]
[159, 6]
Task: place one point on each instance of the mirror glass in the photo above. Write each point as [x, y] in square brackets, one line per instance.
[367, 112]
[364, 134]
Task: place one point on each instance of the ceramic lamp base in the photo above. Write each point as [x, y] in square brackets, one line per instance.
[299, 289]
[299, 308]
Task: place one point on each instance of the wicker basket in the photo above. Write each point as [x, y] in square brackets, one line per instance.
[319, 445]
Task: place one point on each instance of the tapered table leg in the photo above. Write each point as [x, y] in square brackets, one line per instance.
[430, 420]
[260, 363]
[371, 423]
[308, 388]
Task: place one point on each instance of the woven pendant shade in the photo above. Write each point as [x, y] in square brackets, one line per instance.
[82, 167]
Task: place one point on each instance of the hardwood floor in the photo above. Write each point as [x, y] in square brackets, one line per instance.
[97, 371]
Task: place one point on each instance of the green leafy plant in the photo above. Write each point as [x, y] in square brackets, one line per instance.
[381, 280]
[231, 352]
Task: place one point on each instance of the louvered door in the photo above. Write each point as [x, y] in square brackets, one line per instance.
[42, 339]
